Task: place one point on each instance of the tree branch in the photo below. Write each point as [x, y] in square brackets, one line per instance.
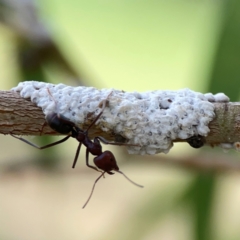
[20, 116]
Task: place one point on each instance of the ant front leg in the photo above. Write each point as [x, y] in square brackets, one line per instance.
[76, 155]
[87, 162]
[46, 146]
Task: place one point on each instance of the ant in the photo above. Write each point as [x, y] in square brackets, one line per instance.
[196, 141]
[103, 160]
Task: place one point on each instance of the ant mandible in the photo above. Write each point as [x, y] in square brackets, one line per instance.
[103, 160]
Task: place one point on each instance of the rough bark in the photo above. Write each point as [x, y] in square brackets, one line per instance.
[21, 117]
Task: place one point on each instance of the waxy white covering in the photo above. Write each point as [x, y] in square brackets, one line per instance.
[151, 119]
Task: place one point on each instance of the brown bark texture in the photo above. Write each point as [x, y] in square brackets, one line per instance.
[20, 116]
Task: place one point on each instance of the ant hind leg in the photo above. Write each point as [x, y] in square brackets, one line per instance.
[46, 146]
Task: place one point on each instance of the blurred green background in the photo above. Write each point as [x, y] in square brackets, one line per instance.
[133, 46]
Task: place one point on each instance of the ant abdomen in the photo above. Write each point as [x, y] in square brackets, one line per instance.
[59, 123]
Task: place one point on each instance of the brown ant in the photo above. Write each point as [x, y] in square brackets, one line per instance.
[103, 160]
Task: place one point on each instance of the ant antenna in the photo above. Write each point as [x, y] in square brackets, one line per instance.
[136, 184]
[102, 175]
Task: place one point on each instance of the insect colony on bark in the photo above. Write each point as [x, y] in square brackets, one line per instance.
[150, 121]
[105, 161]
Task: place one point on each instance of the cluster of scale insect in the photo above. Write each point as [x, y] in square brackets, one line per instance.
[151, 120]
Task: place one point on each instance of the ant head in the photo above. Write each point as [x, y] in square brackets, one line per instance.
[106, 162]
[59, 123]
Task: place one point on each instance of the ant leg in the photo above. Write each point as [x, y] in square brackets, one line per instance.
[102, 175]
[104, 104]
[87, 162]
[77, 154]
[47, 146]
[103, 140]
